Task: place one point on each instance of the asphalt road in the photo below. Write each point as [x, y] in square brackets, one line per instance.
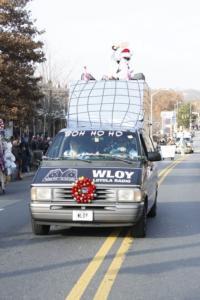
[107, 263]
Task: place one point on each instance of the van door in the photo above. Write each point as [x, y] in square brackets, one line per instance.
[150, 178]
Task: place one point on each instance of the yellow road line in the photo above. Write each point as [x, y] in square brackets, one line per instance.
[167, 170]
[169, 166]
[111, 274]
[81, 285]
[164, 170]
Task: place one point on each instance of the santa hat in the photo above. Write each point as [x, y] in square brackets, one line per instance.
[126, 53]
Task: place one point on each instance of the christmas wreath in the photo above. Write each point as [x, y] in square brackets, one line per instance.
[83, 190]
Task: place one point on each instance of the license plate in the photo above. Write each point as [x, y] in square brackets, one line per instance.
[82, 215]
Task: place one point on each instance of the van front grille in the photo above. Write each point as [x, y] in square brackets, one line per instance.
[102, 195]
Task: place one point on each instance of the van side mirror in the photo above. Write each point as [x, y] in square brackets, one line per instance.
[154, 156]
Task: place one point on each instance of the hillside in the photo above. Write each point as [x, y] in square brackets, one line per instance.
[191, 95]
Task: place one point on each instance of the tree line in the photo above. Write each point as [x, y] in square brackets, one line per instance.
[20, 52]
[171, 100]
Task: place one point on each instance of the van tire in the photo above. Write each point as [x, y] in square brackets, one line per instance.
[153, 211]
[39, 229]
[139, 229]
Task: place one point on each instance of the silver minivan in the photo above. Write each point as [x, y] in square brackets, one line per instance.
[96, 177]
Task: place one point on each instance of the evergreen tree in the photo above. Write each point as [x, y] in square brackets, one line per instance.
[185, 116]
[20, 51]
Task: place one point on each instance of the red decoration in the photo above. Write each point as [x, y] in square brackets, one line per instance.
[83, 190]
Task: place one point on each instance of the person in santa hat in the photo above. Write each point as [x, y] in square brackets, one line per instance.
[120, 68]
[124, 70]
[114, 64]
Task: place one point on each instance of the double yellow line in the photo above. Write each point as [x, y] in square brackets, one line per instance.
[81, 285]
[104, 288]
[163, 174]
[109, 278]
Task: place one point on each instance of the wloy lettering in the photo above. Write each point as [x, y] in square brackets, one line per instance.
[112, 174]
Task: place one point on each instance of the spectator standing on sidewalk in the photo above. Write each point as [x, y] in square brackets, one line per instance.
[16, 150]
[34, 143]
[9, 159]
[47, 143]
[26, 157]
[41, 143]
[2, 166]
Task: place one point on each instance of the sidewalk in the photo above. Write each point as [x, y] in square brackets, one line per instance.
[28, 174]
[24, 175]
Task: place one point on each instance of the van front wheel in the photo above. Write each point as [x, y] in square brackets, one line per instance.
[39, 229]
[153, 210]
[139, 229]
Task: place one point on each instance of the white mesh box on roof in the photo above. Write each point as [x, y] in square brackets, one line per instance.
[113, 103]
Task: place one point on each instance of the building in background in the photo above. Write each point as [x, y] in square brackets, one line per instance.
[168, 123]
[52, 111]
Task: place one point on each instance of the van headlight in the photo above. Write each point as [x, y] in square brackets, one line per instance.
[130, 195]
[41, 193]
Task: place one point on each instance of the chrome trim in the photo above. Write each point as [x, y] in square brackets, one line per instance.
[103, 195]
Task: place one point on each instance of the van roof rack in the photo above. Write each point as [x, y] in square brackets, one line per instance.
[111, 103]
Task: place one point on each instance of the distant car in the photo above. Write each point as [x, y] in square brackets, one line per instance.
[188, 141]
[183, 147]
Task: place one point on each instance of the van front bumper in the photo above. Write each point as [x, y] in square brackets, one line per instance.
[118, 215]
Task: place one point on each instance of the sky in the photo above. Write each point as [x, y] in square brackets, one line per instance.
[163, 36]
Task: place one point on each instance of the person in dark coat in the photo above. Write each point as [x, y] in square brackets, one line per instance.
[2, 167]
[26, 157]
[17, 151]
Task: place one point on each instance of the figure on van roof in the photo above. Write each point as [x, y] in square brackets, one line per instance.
[86, 76]
[121, 57]
[120, 65]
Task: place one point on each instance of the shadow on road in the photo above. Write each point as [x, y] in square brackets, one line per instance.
[175, 219]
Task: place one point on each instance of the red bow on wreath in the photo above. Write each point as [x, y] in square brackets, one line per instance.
[83, 190]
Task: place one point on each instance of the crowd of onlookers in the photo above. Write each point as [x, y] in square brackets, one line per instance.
[26, 151]
[20, 155]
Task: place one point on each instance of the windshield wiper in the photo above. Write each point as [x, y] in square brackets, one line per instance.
[50, 158]
[74, 158]
[128, 161]
[109, 156]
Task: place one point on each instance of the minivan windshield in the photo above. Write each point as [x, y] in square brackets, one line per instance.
[94, 145]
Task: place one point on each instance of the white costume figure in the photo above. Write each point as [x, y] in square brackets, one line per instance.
[9, 158]
[114, 65]
[124, 71]
[120, 68]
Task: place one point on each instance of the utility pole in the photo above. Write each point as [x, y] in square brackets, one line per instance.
[151, 113]
[190, 116]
